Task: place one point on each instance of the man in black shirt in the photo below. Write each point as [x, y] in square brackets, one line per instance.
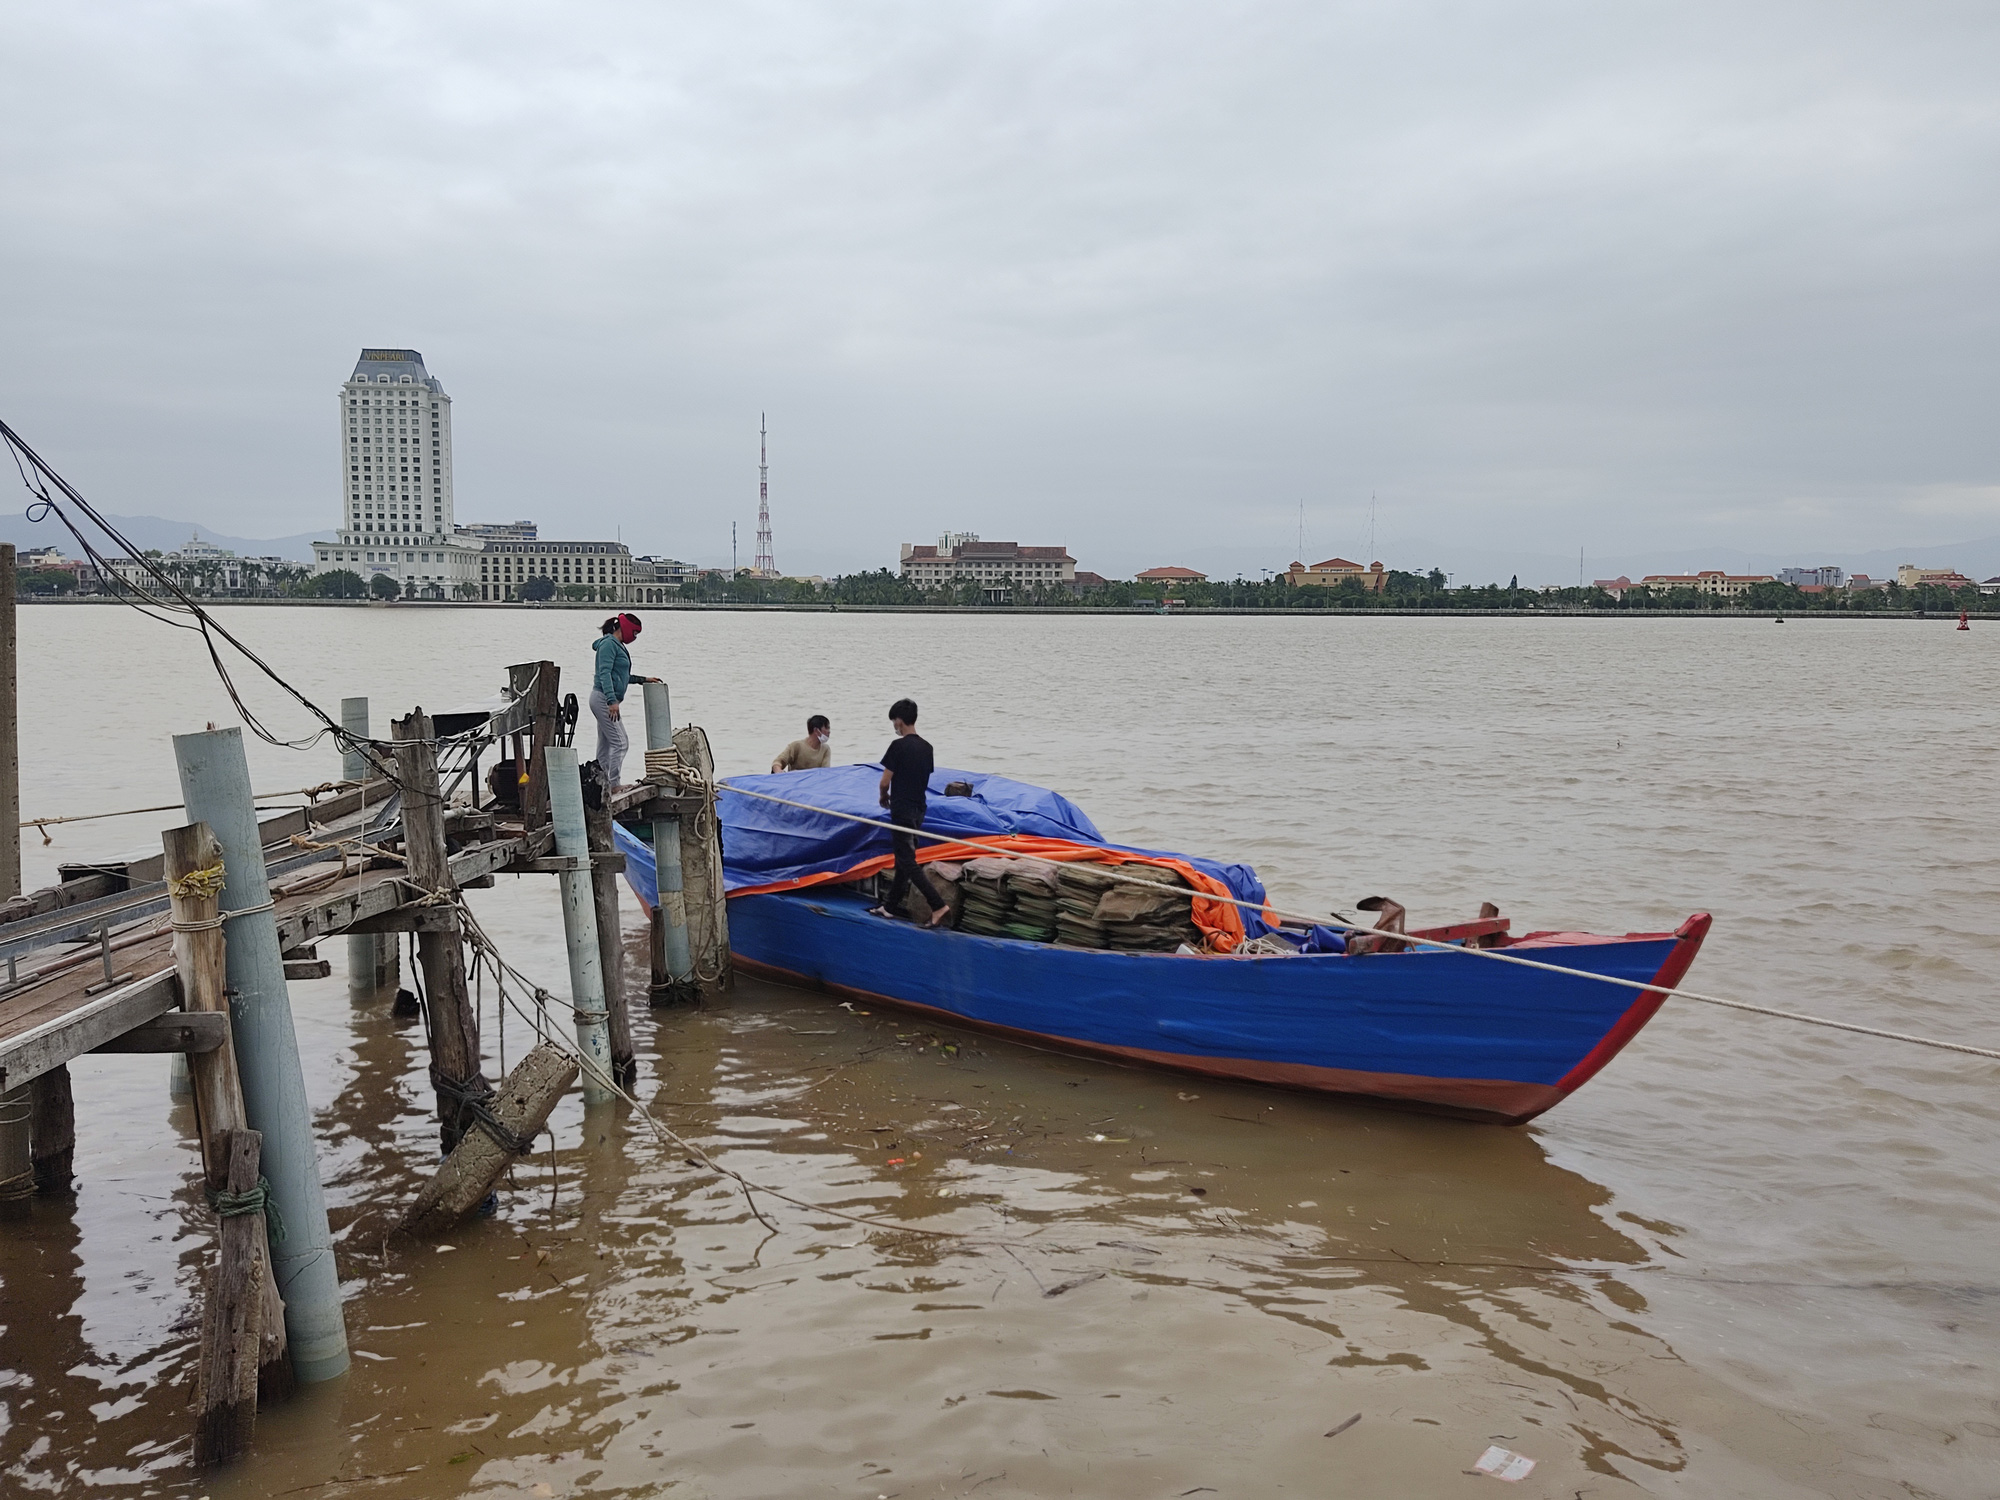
[906, 774]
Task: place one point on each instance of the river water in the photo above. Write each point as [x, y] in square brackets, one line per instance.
[1750, 1259]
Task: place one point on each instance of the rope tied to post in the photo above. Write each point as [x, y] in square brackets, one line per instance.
[17, 1188]
[209, 924]
[470, 1111]
[257, 1200]
[198, 885]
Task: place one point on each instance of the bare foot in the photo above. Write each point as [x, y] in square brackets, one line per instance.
[941, 916]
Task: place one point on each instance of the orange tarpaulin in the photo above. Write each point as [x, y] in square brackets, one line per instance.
[1220, 922]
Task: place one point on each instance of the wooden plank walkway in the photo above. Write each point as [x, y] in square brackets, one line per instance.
[47, 1025]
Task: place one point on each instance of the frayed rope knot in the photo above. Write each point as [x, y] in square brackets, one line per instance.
[229, 1205]
[198, 885]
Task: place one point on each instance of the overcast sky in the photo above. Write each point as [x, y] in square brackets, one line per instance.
[1142, 279]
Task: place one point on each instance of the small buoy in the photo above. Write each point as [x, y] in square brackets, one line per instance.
[1964, 620]
[1779, 621]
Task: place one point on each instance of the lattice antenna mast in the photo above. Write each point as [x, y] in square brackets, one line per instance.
[766, 565]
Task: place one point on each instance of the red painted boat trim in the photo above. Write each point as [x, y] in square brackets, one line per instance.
[1672, 971]
[1499, 1101]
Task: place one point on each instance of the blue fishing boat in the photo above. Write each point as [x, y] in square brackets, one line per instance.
[1445, 1030]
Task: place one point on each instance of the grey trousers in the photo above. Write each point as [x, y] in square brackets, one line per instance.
[612, 741]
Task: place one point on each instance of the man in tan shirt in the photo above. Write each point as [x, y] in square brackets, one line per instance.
[810, 753]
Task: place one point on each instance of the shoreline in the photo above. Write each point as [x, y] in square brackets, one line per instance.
[1204, 611]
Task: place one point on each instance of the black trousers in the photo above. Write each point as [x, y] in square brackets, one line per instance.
[908, 872]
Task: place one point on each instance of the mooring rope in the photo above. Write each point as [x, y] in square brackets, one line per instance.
[43, 825]
[1494, 954]
[257, 1200]
[696, 1156]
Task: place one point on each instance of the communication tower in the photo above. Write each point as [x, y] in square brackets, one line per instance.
[766, 565]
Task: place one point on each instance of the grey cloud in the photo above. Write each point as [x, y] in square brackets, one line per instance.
[1139, 278]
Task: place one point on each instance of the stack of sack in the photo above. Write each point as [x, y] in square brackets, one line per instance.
[1078, 890]
[1031, 883]
[987, 902]
[1136, 920]
[944, 877]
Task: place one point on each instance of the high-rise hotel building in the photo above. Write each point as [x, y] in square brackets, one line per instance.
[396, 499]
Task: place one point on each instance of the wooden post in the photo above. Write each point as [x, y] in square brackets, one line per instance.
[701, 871]
[537, 681]
[54, 1133]
[201, 957]
[521, 1108]
[610, 941]
[455, 1070]
[17, 1164]
[226, 1378]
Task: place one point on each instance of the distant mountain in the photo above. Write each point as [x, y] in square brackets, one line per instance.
[147, 532]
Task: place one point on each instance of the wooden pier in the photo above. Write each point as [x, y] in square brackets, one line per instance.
[148, 954]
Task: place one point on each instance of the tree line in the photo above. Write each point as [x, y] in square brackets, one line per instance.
[1399, 590]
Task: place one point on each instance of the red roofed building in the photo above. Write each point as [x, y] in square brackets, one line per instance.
[1709, 581]
[1170, 576]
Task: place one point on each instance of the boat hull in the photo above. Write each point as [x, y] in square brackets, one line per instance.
[1446, 1032]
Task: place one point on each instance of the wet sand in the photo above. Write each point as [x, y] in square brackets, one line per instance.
[1744, 1261]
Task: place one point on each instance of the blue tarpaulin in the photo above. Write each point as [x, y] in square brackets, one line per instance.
[765, 844]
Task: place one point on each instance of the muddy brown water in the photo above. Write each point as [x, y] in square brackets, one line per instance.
[1748, 1259]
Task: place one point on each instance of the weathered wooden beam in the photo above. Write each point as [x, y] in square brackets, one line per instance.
[191, 857]
[308, 968]
[538, 682]
[521, 1108]
[226, 1375]
[625, 799]
[407, 919]
[454, 1025]
[54, 1131]
[187, 1031]
[17, 1153]
[701, 872]
[610, 861]
[83, 1029]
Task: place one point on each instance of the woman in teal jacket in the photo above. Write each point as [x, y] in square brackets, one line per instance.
[607, 693]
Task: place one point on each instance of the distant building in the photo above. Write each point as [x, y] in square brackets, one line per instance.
[1910, 576]
[1168, 577]
[604, 567]
[1334, 572]
[1615, 587]
[1090, 583]
[1859, 581]
[655, 580]
[396, 480]
[1990, 586]
[1827, 577]
[960, 557]
[501, 531]
[1712, 581]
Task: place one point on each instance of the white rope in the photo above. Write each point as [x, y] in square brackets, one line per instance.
[1489, 953]
[130, 812]
[697, 1156]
